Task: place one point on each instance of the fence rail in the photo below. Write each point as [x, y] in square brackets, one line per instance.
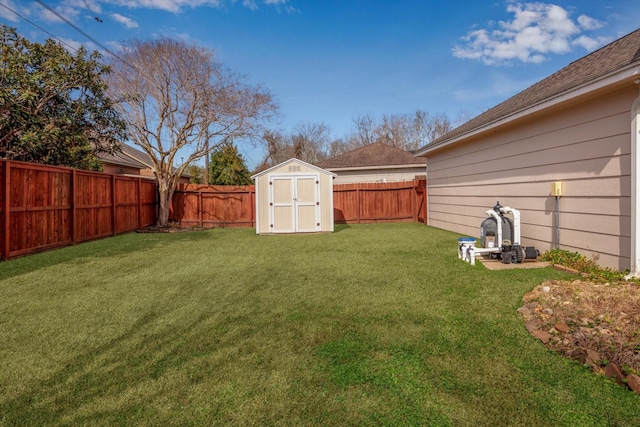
[44, 207]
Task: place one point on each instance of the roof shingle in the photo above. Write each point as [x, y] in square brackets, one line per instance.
[377, 154]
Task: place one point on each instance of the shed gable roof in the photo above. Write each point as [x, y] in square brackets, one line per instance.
[293, 160]
[615, 56]
[377, 154]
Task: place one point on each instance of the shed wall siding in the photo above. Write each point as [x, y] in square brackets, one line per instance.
[586, 146]
[326, 197]
[262, 204]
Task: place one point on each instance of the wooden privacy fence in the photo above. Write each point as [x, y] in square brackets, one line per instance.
[364, 203]
[43, 207]
[230, 206]
[214, 205]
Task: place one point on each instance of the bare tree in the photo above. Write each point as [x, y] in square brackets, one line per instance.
[425, 128]
[337, 147]
[364, 131]
[312, 142]
[180, 103]
[309, 142]
[277, 150]
[406, 131]
[392, 130]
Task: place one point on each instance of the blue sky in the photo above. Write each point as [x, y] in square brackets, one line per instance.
[328, 61]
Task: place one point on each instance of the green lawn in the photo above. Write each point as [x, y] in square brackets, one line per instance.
[370, 325]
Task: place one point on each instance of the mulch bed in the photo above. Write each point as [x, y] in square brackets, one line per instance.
[597, 324]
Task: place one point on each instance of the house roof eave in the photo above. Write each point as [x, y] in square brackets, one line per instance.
[628, 73]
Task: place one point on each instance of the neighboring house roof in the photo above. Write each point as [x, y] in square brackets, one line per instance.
[292, 160]
[138, 155]
[132, 157]
[373, 155]
[128, 156]
[618, 56]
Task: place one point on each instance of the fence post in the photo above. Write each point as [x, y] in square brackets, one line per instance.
[73, 205]
[200, 207]
[113, 204]
[139, 202]
[6, 209]
[358, 203]
[414, 200]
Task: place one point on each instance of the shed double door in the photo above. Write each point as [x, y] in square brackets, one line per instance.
[294, 205]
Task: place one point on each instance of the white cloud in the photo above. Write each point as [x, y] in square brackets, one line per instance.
[588, 23]
[591, 43]
[536, 30]
[7, 14]
[251, 4]
[73, 45]
[176, 6]
[280, 5]
[114, 46]
[127, 22]
[72, 9]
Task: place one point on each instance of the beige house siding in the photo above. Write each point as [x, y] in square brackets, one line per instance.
[378, 175]
[585, 144]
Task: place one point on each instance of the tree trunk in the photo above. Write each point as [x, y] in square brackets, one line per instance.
[165, 196]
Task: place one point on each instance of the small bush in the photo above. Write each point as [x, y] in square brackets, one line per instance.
[588, 267]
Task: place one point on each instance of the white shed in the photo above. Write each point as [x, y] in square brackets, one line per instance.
[294, 197]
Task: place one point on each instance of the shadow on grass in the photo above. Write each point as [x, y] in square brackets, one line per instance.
[120, 245]
[340, 227]
[115, 382]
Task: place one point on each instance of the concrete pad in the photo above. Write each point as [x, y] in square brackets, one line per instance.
[496, 264]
